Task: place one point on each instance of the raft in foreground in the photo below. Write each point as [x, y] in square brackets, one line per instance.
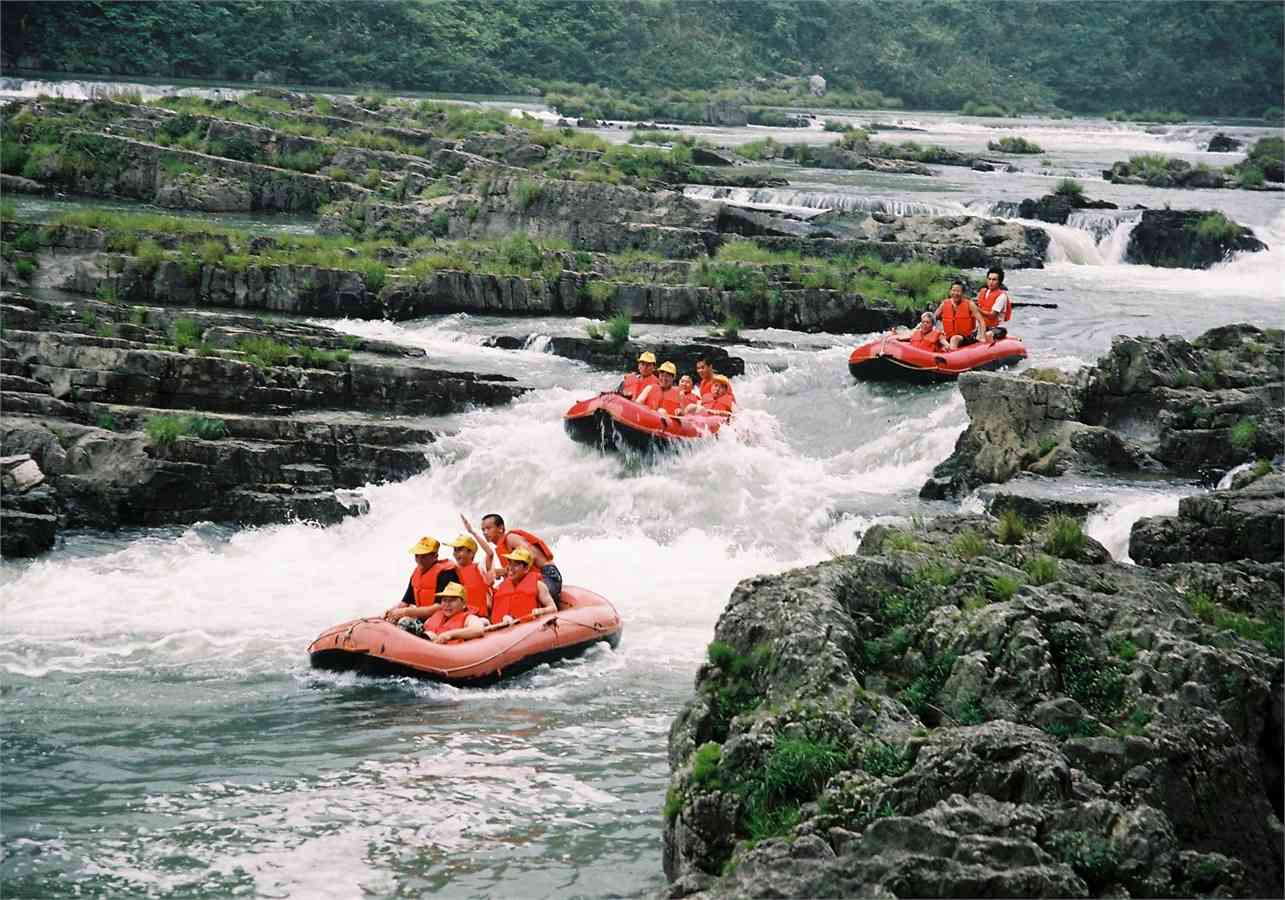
[888, 359]
[612, 422]
[375, 647]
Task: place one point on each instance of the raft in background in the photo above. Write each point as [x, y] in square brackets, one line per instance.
[612, 421]
[888, 359]
[373, 646]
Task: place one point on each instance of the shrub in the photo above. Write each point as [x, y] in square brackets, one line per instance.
[705, 763]
[8, 210]
[903, 541]
[968, 545]
[885, 761]
[138, 315]
[1215, 226]
[1003, 587]
[1042, 569]
[1096, 684]
[794, 772]
[440, 223]
[618, 329]
[1069, 187]
[1011, 528]
[206, 429]
[1015, 145]
[1047, 445]
[1250, 176]
[730, 327]
[262, 352]
[25, 269]
[150, 255]
[26, 241]
[163, 430]
[602, 292]
[1244, 434]
[187, 333]
[1124, 648]
[211, 252]
[593, 330]
[1064, 537]
[1093, 858]
[527, 193]
[107, 422]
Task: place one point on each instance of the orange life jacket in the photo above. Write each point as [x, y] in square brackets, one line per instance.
[634, 384]
[516, 600]
[688, 399]
[502, 545]
[671, 401]
[438, 622]
[475, 589]
[956, 319]
[724, 403]
[925, 340]
[424, 583]
[707, 391]
[986, 302]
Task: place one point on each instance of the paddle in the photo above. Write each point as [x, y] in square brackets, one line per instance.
[1017, 305]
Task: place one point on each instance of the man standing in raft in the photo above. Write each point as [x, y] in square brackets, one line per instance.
[453, 620]
[994, 304]
[961, 320]
[429, 576]
[521, 591]
[516, 539]
[634, 384]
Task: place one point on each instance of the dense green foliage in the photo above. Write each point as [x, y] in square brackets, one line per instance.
[1198, 57]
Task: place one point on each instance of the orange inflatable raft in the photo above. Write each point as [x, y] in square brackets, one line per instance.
[612, 421]
[888, 359]
[373, 646]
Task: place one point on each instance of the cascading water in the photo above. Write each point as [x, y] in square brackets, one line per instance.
[787, 200]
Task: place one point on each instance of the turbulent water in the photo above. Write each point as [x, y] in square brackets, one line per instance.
[165, 736]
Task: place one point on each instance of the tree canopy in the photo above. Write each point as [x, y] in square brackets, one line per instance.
[1088, 55]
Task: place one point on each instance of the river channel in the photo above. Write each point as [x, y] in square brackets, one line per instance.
[165, 737]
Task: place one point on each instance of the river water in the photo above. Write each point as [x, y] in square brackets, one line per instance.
[164, 736]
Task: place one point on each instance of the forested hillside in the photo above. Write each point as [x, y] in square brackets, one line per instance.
[1198, 57]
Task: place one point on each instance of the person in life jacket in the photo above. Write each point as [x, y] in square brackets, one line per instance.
[477, 579]
[521, 592]
[662, 395]
[961, 320]
[925, 336]
[721, 402]
[994, 304]
[429, 576]
[453, 620]
[686, 396]
[516, 539]
[705, 372]
[633, 384]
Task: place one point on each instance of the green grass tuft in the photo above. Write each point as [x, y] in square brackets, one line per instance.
[1064, 537]
[1011, 528]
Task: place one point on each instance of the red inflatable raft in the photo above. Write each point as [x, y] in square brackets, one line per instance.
[612, 421]
[375, 647]
[888, 359]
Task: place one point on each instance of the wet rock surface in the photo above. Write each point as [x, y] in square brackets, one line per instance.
[1160, 404]
[136, 415]
[1244, 523]
[947, 715]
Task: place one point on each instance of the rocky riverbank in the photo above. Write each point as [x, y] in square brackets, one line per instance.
[982, 707]
[137, 414]
[1194, 408]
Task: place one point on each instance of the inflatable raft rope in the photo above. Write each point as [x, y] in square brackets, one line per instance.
[612, 421]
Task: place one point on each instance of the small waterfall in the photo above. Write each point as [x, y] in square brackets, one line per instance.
[803, 201]
[1091, 238]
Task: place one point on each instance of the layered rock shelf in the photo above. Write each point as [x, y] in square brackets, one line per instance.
[141, 415]
[964, 709]
[1191, 408]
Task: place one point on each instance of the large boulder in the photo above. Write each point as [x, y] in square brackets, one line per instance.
[1151, 404]
[1187, 239]
[1222, 526]
[943, 715]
